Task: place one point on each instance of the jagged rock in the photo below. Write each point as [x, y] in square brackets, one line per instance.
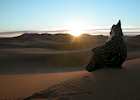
[112, 54]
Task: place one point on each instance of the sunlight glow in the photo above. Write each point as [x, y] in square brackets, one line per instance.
[76, 31]
[76, 28]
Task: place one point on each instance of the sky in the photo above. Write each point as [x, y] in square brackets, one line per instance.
[18, 15]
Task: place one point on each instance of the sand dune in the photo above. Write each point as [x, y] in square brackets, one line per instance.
[108, 84]
[32, 63]
[62, 41]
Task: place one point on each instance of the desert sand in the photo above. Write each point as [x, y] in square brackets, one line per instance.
[16, 85]
[107, 84]
[28, 69]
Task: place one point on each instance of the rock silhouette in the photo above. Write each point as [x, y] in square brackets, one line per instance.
[112, 54]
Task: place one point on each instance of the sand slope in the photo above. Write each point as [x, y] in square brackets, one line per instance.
[107, 84]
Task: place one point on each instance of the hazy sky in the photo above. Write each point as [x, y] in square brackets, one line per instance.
[46, 14]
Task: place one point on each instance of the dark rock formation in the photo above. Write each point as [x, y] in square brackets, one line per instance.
[111, 54]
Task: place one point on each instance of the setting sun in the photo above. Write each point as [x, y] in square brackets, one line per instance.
[76, 28]
[76, 31]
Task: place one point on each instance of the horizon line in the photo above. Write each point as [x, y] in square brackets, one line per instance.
[66, 30]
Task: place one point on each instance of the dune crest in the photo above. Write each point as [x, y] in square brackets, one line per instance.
[109, 84]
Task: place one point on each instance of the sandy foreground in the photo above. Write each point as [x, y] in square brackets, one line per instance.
[18, 86]
[108, 84]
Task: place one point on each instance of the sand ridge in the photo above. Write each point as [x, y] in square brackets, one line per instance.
[108, 84]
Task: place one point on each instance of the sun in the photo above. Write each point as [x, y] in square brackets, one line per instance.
[76, 28]
[76, 31]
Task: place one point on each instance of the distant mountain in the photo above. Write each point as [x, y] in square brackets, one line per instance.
[61, 41]
[54, 41]
[45, 36]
